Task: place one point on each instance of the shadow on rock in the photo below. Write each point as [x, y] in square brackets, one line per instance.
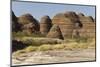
[18, 45]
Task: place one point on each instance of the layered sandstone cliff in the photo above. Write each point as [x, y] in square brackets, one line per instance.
[68, 24]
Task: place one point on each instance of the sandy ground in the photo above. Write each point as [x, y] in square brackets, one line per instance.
[42, 57]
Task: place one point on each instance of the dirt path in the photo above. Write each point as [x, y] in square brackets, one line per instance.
[54, 57]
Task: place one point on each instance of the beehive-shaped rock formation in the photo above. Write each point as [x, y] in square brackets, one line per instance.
[66, 22]
[66, 25]
[30, 24]
[45, 24]
[55, 32]
[88, 29]
[71, 24]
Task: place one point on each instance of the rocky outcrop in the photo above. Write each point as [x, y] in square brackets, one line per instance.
[29, 23]
[45, 24]
[68, 24]
[14, 18]
[88, 29]
[55, 32]
[81, 15]
[72, 24]
[15, 25]
[65, 24]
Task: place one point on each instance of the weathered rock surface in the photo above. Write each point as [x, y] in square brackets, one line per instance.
[30, 24]
[88, 29]
[15, 25]
[45, 24]
[55, 32]
[70, 24]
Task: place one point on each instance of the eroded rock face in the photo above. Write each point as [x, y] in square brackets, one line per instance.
[88, 29]
[66, 22]
[71, 23]
[72, 15]
[30, 24]
[55, 32]
[14, 18]
[15, 25]
[45, 24]
[81, 15]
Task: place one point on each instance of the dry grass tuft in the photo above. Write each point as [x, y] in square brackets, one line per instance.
[45, 47]
[30, 49]
[71, 45]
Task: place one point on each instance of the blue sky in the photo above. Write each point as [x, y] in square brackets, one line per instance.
[39, 10]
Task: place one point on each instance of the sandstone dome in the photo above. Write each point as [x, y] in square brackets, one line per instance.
[29, 23]
[45, 24]
[55, 32]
